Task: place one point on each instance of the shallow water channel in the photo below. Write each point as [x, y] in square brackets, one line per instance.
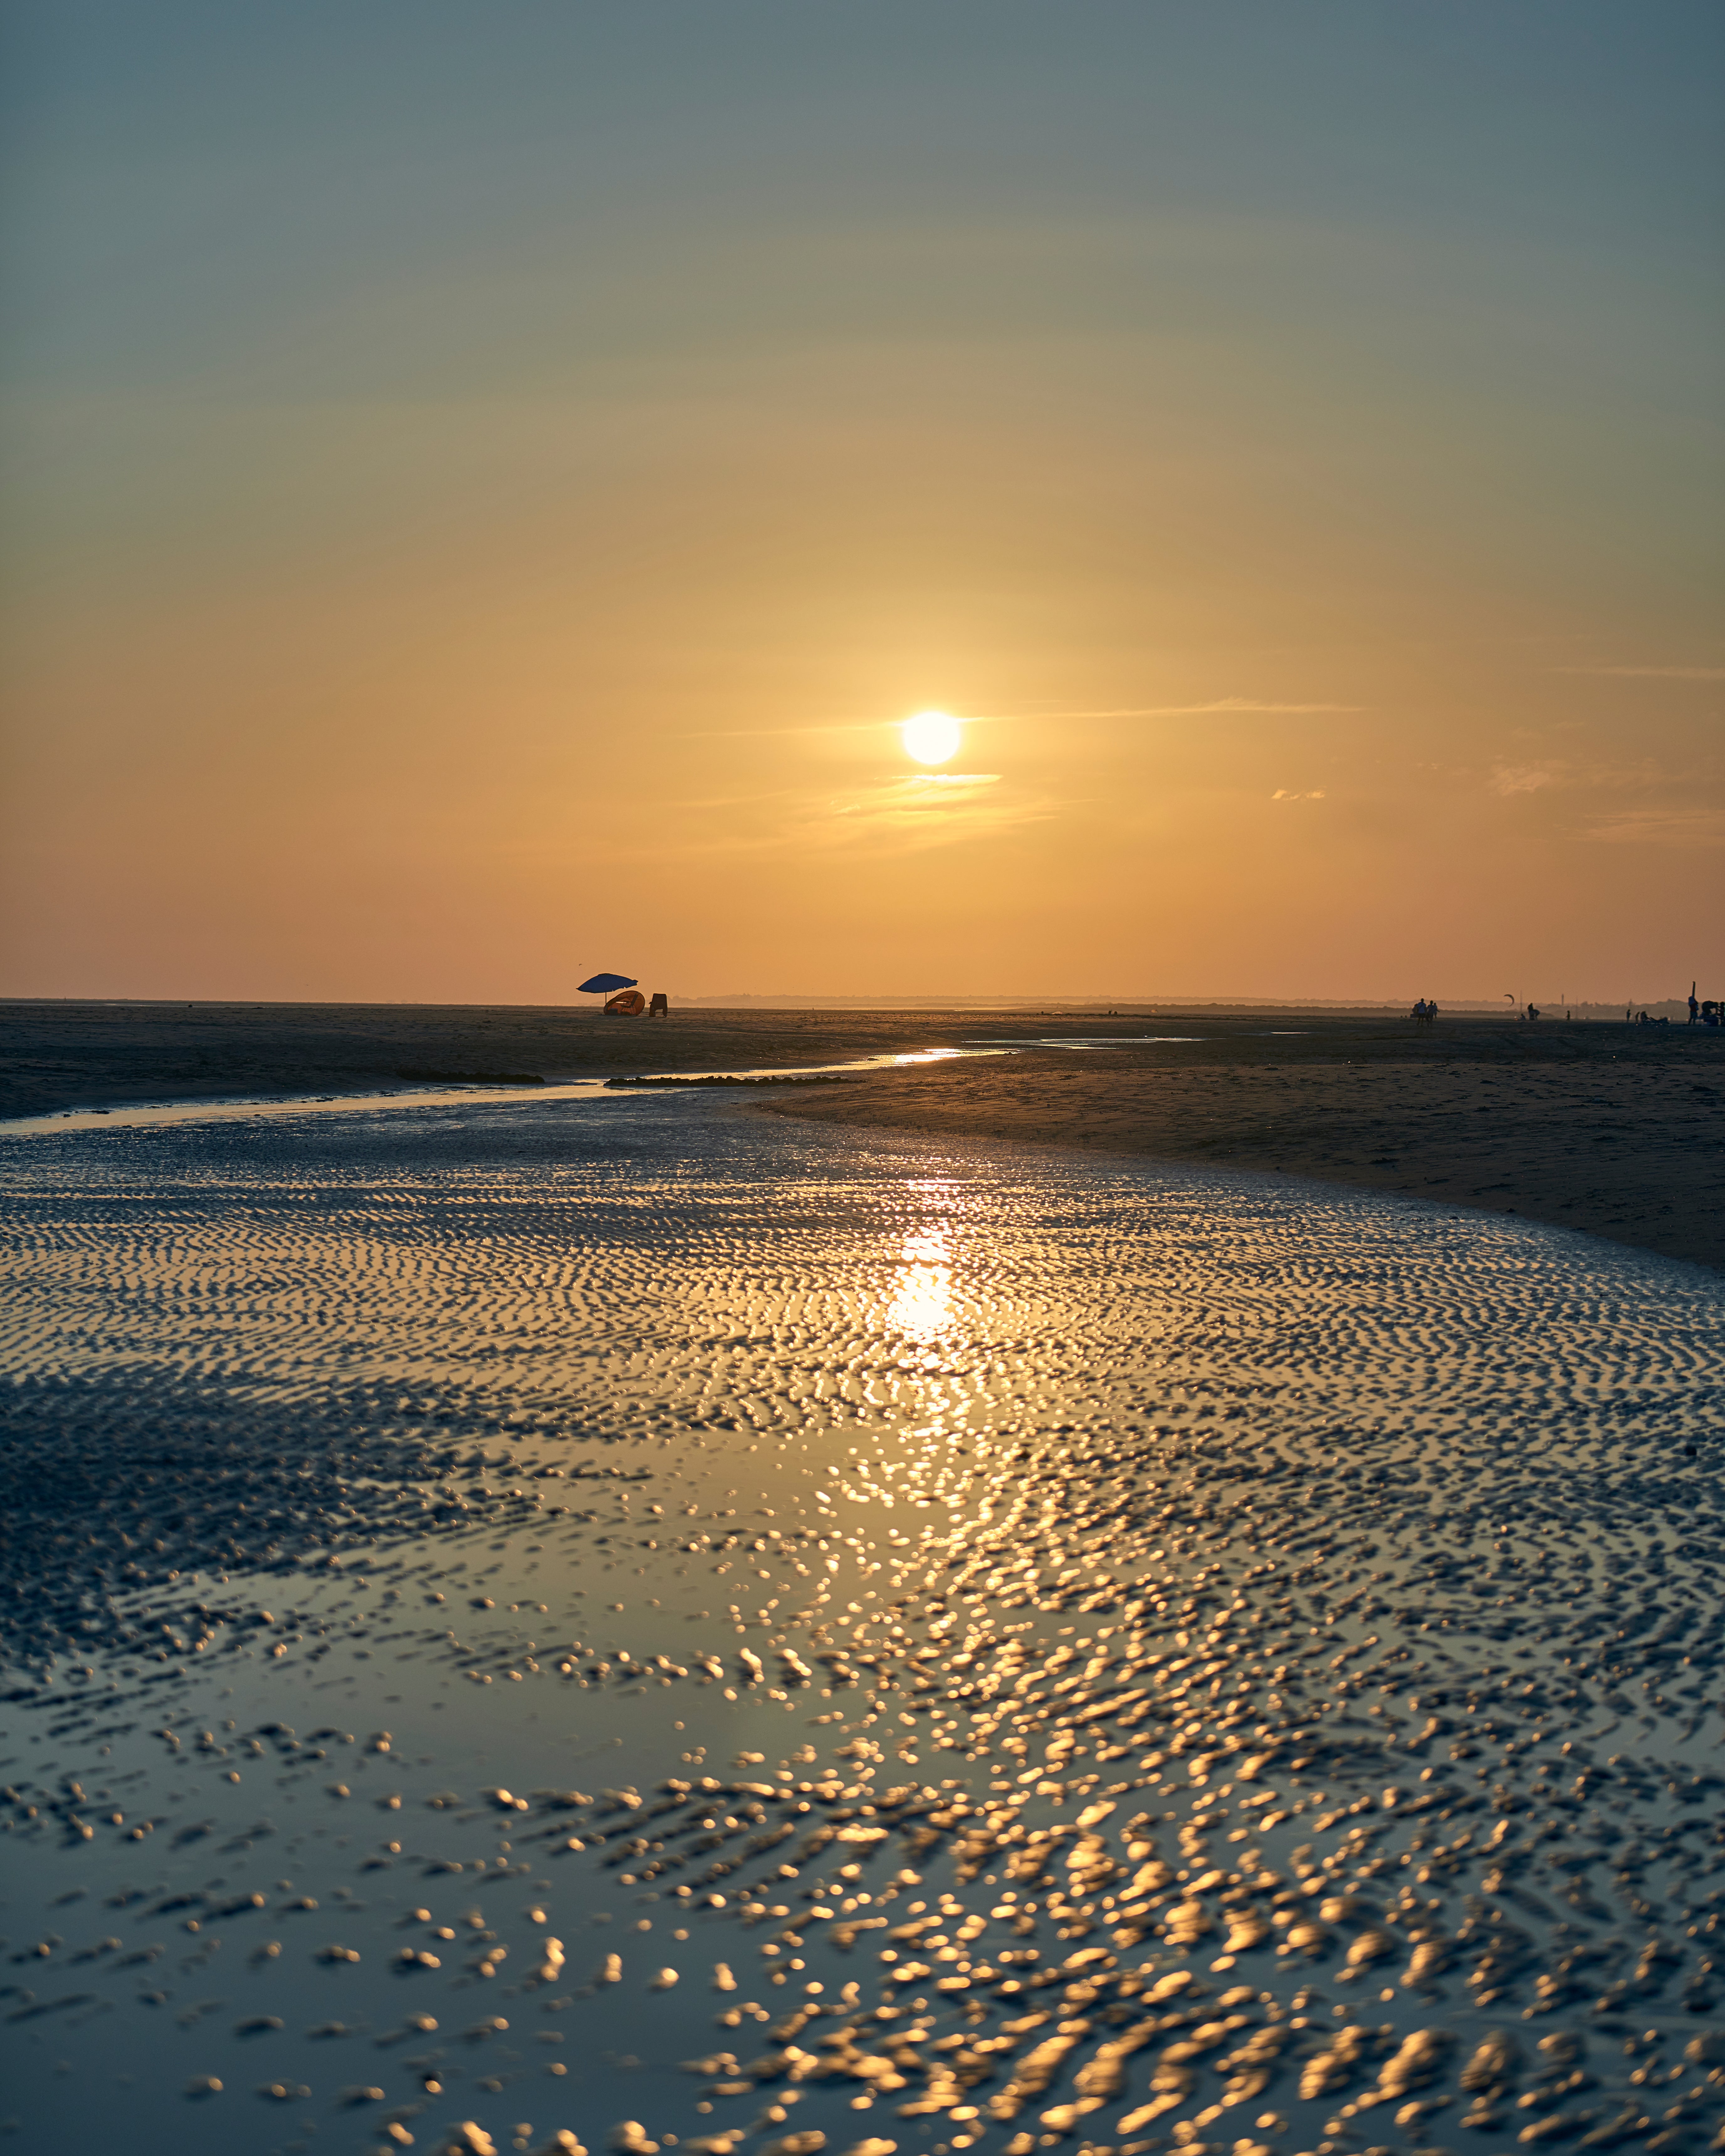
[623, 1619]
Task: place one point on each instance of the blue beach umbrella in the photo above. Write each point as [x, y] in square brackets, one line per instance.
[605, 984]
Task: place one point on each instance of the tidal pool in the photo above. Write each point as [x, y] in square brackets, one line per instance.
[623, 1623]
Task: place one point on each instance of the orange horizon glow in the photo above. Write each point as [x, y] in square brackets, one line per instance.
[470, 527]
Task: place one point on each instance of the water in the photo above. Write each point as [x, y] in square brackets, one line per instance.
[1081, 1656]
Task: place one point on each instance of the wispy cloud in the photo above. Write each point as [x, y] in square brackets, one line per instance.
[1659, 827]
[1219, 703]
[1651, 673]
[783, 733]
[1282, 794]
[1219, 706]
[730, 800]
[922, 808]
[1522, 777]
[933, 808]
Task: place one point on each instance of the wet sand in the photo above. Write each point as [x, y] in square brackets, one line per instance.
[561, 1625]
[1616, 1130]
[54, 1056]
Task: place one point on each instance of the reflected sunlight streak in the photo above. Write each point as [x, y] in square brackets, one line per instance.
[921, 1305]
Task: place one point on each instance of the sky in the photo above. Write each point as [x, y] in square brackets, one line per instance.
[484, 486]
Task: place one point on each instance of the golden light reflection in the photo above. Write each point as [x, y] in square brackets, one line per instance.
[921, 1305]
[931, 736]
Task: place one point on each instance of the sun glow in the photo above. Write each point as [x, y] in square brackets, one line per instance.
[931, 736]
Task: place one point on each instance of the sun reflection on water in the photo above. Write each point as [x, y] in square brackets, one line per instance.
[921, 1304]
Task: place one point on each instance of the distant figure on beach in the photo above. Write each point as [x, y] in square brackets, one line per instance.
[1532, 1011]
[1424, 1012]
[1694, 1007]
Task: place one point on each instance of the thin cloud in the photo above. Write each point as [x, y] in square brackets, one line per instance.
[730, 800]
[781, 733]
[1168, 711]
[1651, 673]
[1220, 705]
[932, 808]
[1521, 778]
[1282, 794]
[1659, 827]
[923, 809]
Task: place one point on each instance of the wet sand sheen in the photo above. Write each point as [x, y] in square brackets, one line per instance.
[1616, 1131]
[1049, 1656]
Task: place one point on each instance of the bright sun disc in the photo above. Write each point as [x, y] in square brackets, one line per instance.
[931, 736]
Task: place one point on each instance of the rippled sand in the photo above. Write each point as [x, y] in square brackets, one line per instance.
[627, 1620]
[1618, 1130]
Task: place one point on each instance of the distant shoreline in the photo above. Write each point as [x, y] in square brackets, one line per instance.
[90, 1054]
[1048, 1006]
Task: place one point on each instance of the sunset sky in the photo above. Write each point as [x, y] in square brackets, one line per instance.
[486, 485]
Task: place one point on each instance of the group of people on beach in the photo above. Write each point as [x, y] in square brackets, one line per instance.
[1700, 1014]
[1708, 1012]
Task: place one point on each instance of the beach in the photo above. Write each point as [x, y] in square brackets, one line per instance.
[619, 1617]
[1615, 1130]
[66, 1056]
[858, 1544]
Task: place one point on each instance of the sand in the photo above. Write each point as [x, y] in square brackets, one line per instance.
[61, 1056]
[1616, 1130]
[625, 1619]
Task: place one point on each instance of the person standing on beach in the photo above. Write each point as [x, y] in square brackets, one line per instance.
[1694, 1007]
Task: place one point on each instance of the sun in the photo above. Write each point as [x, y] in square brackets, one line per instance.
[931, 736]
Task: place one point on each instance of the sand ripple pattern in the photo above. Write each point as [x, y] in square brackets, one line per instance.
[1277, 1599]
